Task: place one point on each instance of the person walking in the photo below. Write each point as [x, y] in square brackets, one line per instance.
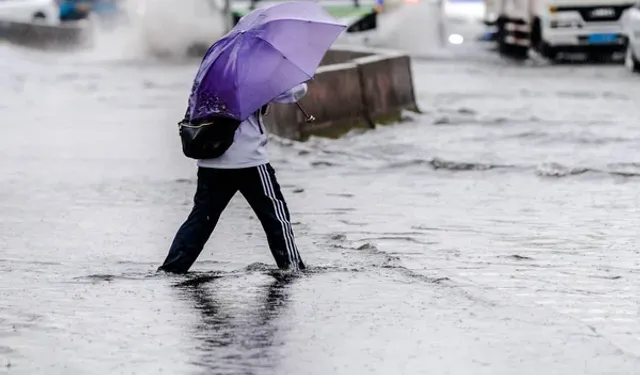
[243, 167]
[256, 63]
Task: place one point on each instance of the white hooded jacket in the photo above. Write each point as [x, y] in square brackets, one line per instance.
[249, 147]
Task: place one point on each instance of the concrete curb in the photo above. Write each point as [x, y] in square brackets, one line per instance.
[353, 88]
[44, 36]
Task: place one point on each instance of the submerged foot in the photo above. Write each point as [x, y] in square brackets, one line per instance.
[171, 271]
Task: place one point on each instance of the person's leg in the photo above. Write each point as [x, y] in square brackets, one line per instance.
[215, 189]
[260, 188]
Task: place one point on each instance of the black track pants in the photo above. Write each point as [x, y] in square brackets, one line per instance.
[215, 189]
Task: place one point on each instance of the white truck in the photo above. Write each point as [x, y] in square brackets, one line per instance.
[553, 26]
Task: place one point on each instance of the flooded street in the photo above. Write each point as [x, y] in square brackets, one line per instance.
[495, 234]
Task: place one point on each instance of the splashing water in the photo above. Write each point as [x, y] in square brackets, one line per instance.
[160, 28]
[425, 28]
[412, 27]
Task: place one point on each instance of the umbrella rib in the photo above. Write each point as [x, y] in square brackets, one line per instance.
[275, 48]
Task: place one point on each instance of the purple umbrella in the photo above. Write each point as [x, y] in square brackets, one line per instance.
[268, 52]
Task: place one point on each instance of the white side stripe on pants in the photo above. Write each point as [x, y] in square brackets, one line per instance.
[278, 206]
[288, 230]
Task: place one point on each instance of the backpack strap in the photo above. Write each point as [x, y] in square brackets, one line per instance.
[260, 113]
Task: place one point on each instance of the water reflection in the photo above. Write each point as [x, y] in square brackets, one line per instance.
[236, 336]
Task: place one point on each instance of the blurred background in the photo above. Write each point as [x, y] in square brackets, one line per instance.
[170, 27]
[552, 29]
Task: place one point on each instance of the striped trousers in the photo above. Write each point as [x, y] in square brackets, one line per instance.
[215, 189]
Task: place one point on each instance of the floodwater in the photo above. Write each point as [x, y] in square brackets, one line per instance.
[497, 233]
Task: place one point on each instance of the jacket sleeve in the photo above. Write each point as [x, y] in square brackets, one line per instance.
[292, 95]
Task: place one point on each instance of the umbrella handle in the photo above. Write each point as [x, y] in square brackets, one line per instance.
[309, 118]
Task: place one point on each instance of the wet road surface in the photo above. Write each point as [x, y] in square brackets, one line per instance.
[495, 234]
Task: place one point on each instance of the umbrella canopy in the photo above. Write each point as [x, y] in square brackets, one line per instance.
[268, 52]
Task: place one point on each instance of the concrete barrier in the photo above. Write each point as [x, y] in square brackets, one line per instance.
[341, 55]
[387, 85]
[45, 36]
[353, 88]
[334, 98]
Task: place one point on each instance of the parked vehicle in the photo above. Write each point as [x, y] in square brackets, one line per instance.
[75, 10]
[553, 26]
[39, 11]
[631, 29]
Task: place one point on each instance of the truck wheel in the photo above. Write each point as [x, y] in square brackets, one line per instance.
[548, 52]
[500, 35]
[509, 50]
[630, 60]
[514, 51]
[519, 52]
[542, 47]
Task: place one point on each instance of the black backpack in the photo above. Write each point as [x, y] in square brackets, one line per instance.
[207, 138]
[210, 137]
